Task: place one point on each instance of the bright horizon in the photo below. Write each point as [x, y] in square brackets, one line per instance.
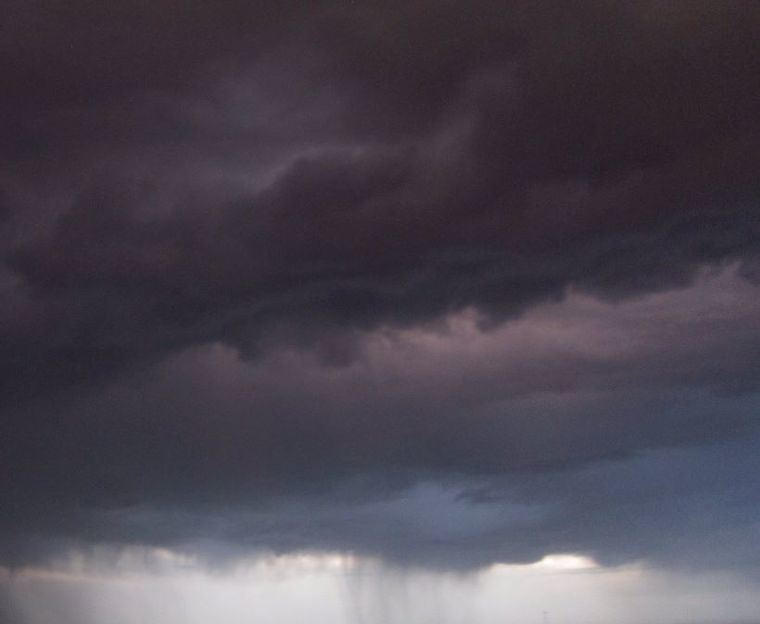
[559, 589]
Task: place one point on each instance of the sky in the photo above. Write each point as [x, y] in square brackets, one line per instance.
[380, 312]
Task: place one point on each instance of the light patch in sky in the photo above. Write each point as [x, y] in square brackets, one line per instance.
[566, 562]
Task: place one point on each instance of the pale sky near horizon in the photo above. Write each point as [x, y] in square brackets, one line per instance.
[335, 589]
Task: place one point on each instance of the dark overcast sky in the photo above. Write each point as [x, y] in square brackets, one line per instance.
[442, 283]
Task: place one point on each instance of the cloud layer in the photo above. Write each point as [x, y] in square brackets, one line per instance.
[317, 276]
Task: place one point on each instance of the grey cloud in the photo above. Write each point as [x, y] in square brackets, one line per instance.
[207, 433]
[250, 251]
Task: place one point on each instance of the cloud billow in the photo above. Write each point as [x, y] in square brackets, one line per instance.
[253, 259]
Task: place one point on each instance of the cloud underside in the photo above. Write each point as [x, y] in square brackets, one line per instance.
[438, 285]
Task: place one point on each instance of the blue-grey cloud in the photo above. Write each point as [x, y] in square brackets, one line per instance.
[261, 264]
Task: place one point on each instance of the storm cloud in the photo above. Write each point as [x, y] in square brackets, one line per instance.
[313, 277]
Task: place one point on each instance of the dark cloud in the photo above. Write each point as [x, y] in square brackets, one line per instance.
[274, 449]
[253, 251]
